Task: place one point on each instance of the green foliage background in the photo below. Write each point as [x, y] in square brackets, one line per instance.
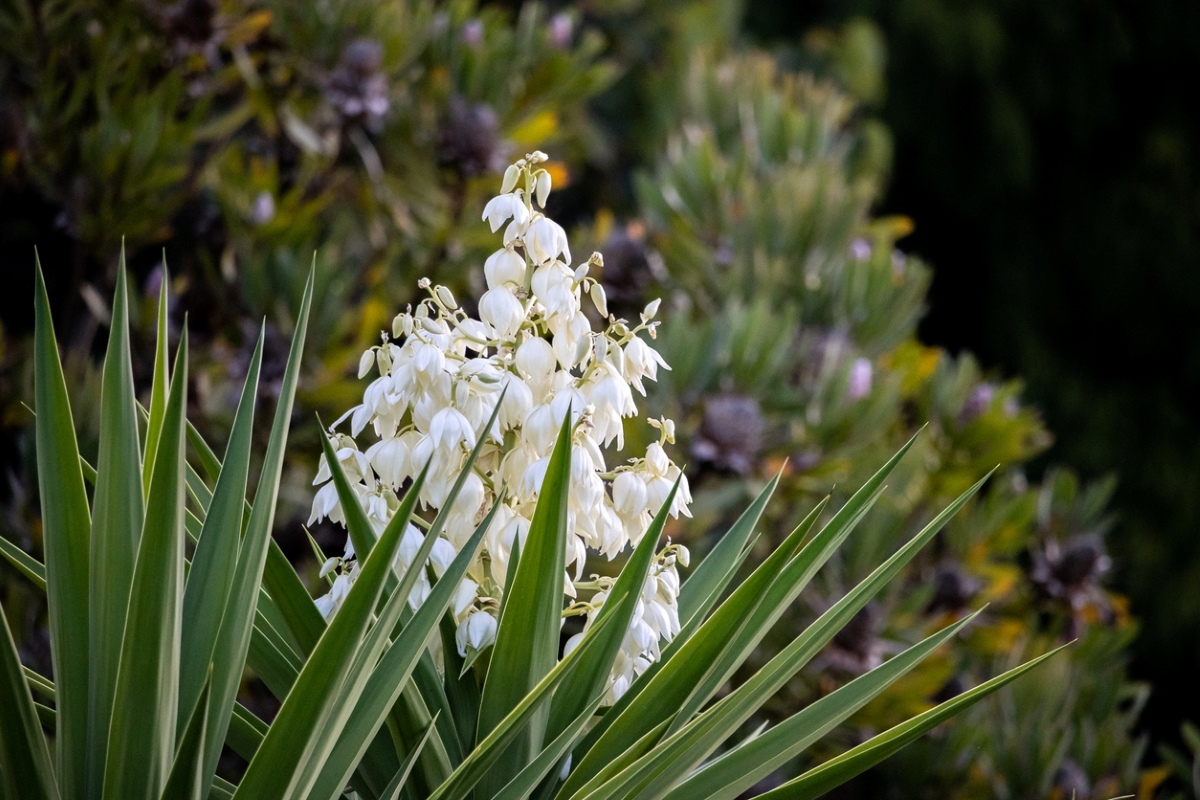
[1049, 153]
[740, 184]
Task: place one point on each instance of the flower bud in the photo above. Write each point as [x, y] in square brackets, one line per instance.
[600, 299]
[384, 359]
[601, 347]
[581, 348]
[518, 400]
[365, 362]
[543, 187]
[446, 297]
[510, 178]
[651, 309]
[539, 429]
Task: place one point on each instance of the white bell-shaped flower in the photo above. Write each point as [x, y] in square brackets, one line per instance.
[504, 312]
[535, 359]
[503, 206]
[641, 361]
[504, 268]
[629, 494]
[546, 241]
[449, 428]
[478, 632]
[390, 458]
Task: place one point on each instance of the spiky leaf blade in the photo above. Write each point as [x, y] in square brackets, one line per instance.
[708, 579]
[732, 773]
[25, 769]
[141, 738]
[116, 526]
[66, 526]
[159, 383]
[26, 564]
[186, 780]
[836, 771]
[237, 626]
[526, 646]
[214, 563]
[277, 767]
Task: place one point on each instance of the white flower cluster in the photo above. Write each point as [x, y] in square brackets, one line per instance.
[441, 375]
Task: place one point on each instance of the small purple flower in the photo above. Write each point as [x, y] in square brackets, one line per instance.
[859, 385]
[860, 249]
[977, 404]
[560, 30]
[264, 208]
[472, 32]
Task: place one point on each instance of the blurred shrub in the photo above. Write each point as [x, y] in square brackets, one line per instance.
[738, 184]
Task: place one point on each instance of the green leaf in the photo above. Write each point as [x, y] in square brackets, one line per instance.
[158, 387]
[26, 564]
[483, 758]
[592, 676]
[783, 591]
[670, 688]
[382, 686]
[392, 791]
[462, 687]
[836, 771]
[294, 736]
[39, 684]
[742, 767]
[706, 582]
[528, 778]
[526, 646]
[141, 740]
[186, 779]
[631, 754]
[25, 769]
[280, 580]
[214, 562]
[690, 671]
[346, 696]
[706, 732]
[246, 732]
[66, 526]
[237, 626]
[116, 527]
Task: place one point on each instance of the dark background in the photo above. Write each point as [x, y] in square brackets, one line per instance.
[1048, 155]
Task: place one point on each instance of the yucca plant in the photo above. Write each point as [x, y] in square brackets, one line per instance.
[396, 684]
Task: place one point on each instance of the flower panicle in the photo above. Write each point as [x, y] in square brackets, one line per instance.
[532, 350]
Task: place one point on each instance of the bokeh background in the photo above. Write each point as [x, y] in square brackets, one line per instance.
[1049, 154]
[863, 217]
